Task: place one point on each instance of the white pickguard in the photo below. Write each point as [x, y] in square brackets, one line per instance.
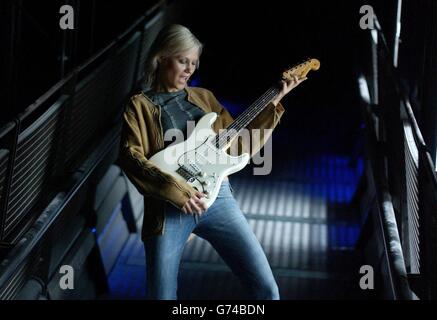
[197, 160]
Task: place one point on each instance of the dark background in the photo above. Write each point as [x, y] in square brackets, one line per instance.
[318, 148]
[247, 46]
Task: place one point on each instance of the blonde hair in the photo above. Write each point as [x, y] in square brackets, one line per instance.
[170, 41]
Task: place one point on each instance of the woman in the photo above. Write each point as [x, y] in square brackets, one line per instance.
[172, 208]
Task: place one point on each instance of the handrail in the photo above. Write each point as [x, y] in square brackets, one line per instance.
[88, 62]
[387, 222]
[9, 132]
[96, 56]
[392, 244]
[403, 96]
[33, 237]
[400, 88]
[120, 37]
[67, 84]
[131, 29]
[418, 138]
[45, 97]
[419, 205]
[150, 11]
[6, 129]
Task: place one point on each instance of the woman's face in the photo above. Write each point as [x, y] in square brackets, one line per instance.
[174, 72]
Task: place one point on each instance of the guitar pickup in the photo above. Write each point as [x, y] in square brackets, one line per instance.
[192, 170]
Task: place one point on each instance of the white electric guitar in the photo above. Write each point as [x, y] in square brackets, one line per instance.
[202, 160]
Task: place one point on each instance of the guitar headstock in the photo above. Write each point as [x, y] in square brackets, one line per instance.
[301, 70]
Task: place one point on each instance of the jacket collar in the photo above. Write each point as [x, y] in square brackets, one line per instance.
[191, 96]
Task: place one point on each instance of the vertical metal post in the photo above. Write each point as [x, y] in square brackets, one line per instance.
[397, 32]
[69, 42]
[429, 94]
[12, 51]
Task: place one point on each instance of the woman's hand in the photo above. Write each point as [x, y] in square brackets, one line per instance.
[287, 86]
[195, 204]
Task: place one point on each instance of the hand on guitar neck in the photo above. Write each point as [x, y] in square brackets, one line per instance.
[286, 87]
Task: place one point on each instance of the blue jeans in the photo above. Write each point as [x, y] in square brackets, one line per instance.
[225, 227]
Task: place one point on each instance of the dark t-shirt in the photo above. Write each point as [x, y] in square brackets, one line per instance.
[176, 110]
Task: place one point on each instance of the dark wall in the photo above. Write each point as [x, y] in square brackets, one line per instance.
[32, 43]
[247, 46]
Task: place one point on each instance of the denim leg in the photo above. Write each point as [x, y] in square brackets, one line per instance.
[228, 231]
[163, 255]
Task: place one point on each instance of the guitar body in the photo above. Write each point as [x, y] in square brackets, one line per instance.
[198, 161]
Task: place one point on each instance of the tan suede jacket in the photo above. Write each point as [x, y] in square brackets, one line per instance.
[142, 136]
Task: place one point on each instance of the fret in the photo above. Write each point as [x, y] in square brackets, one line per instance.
[221, 140]
[245, 118]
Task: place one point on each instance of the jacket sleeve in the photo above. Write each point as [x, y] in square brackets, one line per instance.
[146, 176]
[265, 121]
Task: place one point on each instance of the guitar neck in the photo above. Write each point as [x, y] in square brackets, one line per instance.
[245, 118]
[301, 70]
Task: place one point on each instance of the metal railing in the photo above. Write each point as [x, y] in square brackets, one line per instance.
[85, 144]
[408, 171]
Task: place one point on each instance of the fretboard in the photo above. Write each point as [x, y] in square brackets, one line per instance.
[245, 118]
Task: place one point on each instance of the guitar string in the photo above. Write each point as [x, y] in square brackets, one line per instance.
[248, 115]
[259, 102]
[251, 110]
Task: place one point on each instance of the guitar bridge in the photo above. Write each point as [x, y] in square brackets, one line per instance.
[189, 171]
